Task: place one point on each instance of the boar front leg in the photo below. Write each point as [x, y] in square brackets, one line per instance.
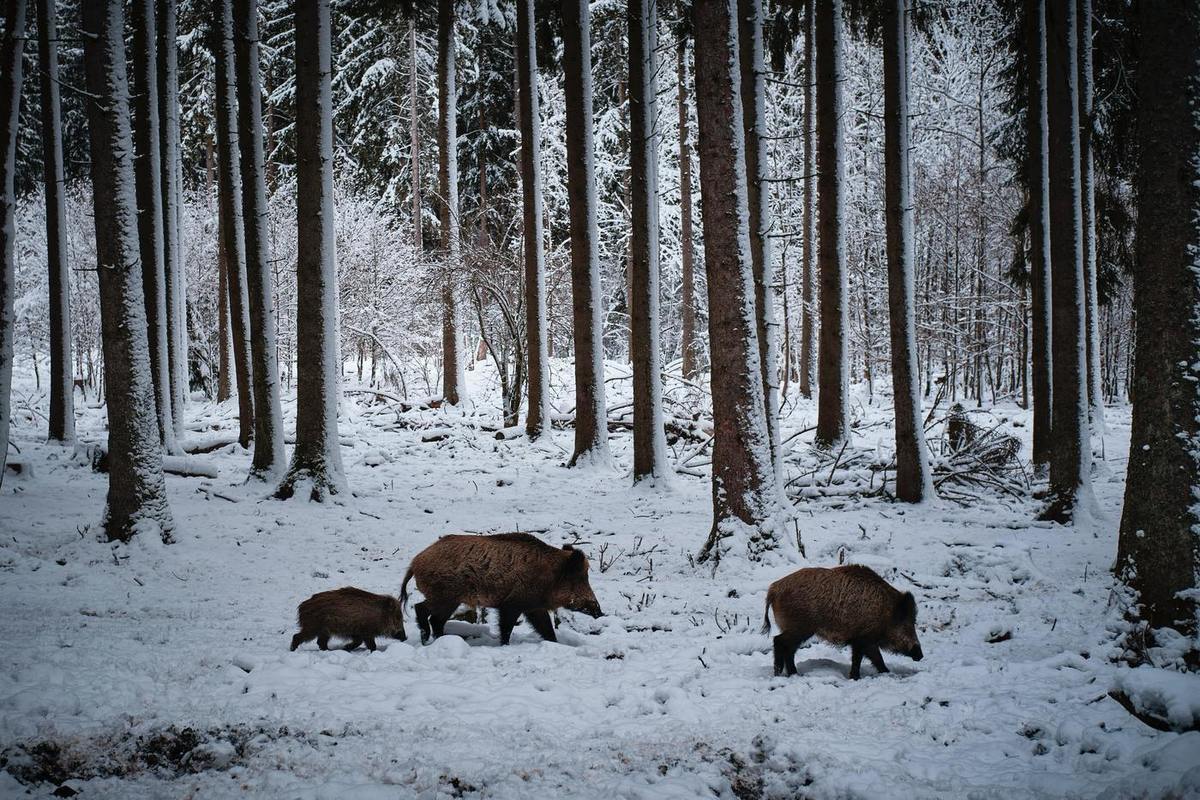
[539, 620]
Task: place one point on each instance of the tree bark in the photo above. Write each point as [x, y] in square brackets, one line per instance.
[137, 495]
[1036, 159]
[744, 494]
[832, 409]
[914, 482]
[147, 166]
[1087, 125]
[414, 138]
[11, 77]
[1070, 481]
[1158, 552]
[229, 198]
[268, 418]
[649, 441]
[62, 386]
[754, 99]
[591, 415]
[808, 254]
[453, 382]
[688, 342]
[172, 199]
[538, 418]
[316, 459]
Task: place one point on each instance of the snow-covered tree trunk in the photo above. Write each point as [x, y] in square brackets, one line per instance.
[268, 418]
[10, 120]
[833, 416]
[1070, 461]
[758, 192]
[453, 382]
[591, 415]
[229, 199]
[689, 344]
[172, 200]
[645, 354]
[1087, 126]
[537, 421]
[914, 482]
[316, 459]
[414, 139]
[808, 212]
[62, 386]
[1036, 159]
[147, 167]
[1159, 547]
[137, 493]
[744, 489]
[224, 347]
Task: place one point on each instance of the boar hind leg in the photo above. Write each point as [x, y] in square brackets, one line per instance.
[872, 652]
[422, 611]
[371, 643]
[438, 614]
[323, 641]
[302, 637]
[508, 620]
[539, 620]
[856, 657]
[785, 652]
[352, 644]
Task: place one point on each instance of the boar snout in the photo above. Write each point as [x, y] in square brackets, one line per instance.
[592, 609]
[915, 654]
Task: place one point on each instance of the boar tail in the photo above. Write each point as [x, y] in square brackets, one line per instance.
[766, 626]
[404, 589]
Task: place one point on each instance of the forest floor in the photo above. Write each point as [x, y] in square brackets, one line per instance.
[146, 670]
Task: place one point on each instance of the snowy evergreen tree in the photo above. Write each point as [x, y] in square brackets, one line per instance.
[453, 382]
[10, 108]
[171, 170]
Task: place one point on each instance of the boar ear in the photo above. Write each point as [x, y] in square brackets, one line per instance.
[906, 607]
[568, 547]
[576, 561]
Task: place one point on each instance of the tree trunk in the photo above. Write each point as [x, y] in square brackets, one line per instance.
[1087, 125]
[1070, 481]
[1036, 159]
[414, 140]
[137, 492]
[229, 198]
[1159, 547]
[453, 382]
[754, 99]
[224, 364]
[591, 416]
[147, 167]
[649, 441]
[808, 254]
[316, 459]
[62, 386]
[688, 344]
[832, 410]
[744, 494]
[914, 482]
[172, 199]
[10, 121]
[268, 418]
[538, 418]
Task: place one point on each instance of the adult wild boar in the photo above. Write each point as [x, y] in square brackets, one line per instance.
[353, 613]
[843, 605]
[515, 573]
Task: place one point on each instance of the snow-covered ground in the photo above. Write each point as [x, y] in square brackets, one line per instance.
[164, 671]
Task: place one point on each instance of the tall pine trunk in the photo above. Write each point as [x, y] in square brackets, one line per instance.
[833, 425]
[316, 459]
[453, 382]
[914, 482]
[147, 167]
[537, 421]
[687, 242]
[1159, 547]
[268, 418]
[591, 415]
[808, 222]
[229, 199]
[172, 200]
[414, 139]
[1087, 126]
[754, 99]
[1070, 481]
[645, 349]
[10, 120]
[137, 493]
[1036, 159]
[62, 387]
[743, 488]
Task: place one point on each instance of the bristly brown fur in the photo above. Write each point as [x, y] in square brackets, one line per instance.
[354, 613]
[515, 573]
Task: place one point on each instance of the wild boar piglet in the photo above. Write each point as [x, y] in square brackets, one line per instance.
[358, 615]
